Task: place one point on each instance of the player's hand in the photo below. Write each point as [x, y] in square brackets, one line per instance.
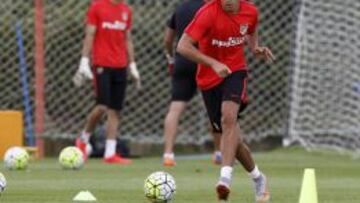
[221, 69]
[170, 62]
[135, 74]
[83, 73]
[265, 52]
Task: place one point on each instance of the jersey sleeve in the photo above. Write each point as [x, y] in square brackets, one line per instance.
[200, 25]
[92, 17]
[255, 23]
[172, 22]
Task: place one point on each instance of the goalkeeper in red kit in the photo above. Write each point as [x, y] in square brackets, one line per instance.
[220, 29]
[108, 39]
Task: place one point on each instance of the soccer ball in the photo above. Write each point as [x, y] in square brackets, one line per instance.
[16, 158]
[2, 183]
[160, 187]
[71, 158]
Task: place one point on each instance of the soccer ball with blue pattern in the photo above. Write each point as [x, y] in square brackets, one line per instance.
[71, 158]
[2, 183]
[16, 158]
[160, 187]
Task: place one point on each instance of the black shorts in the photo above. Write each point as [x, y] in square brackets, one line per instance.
[110, 86]
[183, 82]
[233, 88]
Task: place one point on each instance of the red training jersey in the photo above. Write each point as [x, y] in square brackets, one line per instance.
[112, 21]
[222, 36]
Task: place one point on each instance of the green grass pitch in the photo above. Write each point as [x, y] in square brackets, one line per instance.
[338, 179]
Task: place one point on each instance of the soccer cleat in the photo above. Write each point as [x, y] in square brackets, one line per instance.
[169, 162]
[217, 159]
[117, 159]
[262, 194]
[82, 146]
[222, 192]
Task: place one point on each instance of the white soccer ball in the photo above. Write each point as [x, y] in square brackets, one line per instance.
[160, 187]
[71, 158]
[16, 158]
[2, 183]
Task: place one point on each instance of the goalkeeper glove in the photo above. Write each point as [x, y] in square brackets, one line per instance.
[83, 73]
[135, 74]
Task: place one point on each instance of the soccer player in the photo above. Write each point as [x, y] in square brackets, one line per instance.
[108, 39]
[183, 72]
[221, 28]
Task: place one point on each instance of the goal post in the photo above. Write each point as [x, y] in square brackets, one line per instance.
[325, 101]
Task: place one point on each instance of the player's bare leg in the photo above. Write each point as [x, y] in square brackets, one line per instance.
[229, 144]
[170, 129]
[217, 158]
[110, 155]
[94, 117]
[91, 121]
[232, 133]
[243, 155]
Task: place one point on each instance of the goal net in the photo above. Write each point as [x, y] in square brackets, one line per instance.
[325, 90]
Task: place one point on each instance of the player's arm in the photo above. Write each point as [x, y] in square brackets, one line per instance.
[186, 47]
[84, 71]
[130, 47]
[169, 39]
[253, 42]
[258, 51]
[90, 31]
[131, 57]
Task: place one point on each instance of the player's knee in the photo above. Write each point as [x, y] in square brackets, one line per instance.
[172, 116]
[168, 120]
[228, 119]
[176, 108]
[174, 113]
[113, 114]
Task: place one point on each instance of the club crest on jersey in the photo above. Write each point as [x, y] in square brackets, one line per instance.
[244, 29]
[125, 16]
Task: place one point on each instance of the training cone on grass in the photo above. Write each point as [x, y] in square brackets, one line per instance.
[308, 192]
[85, 196]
